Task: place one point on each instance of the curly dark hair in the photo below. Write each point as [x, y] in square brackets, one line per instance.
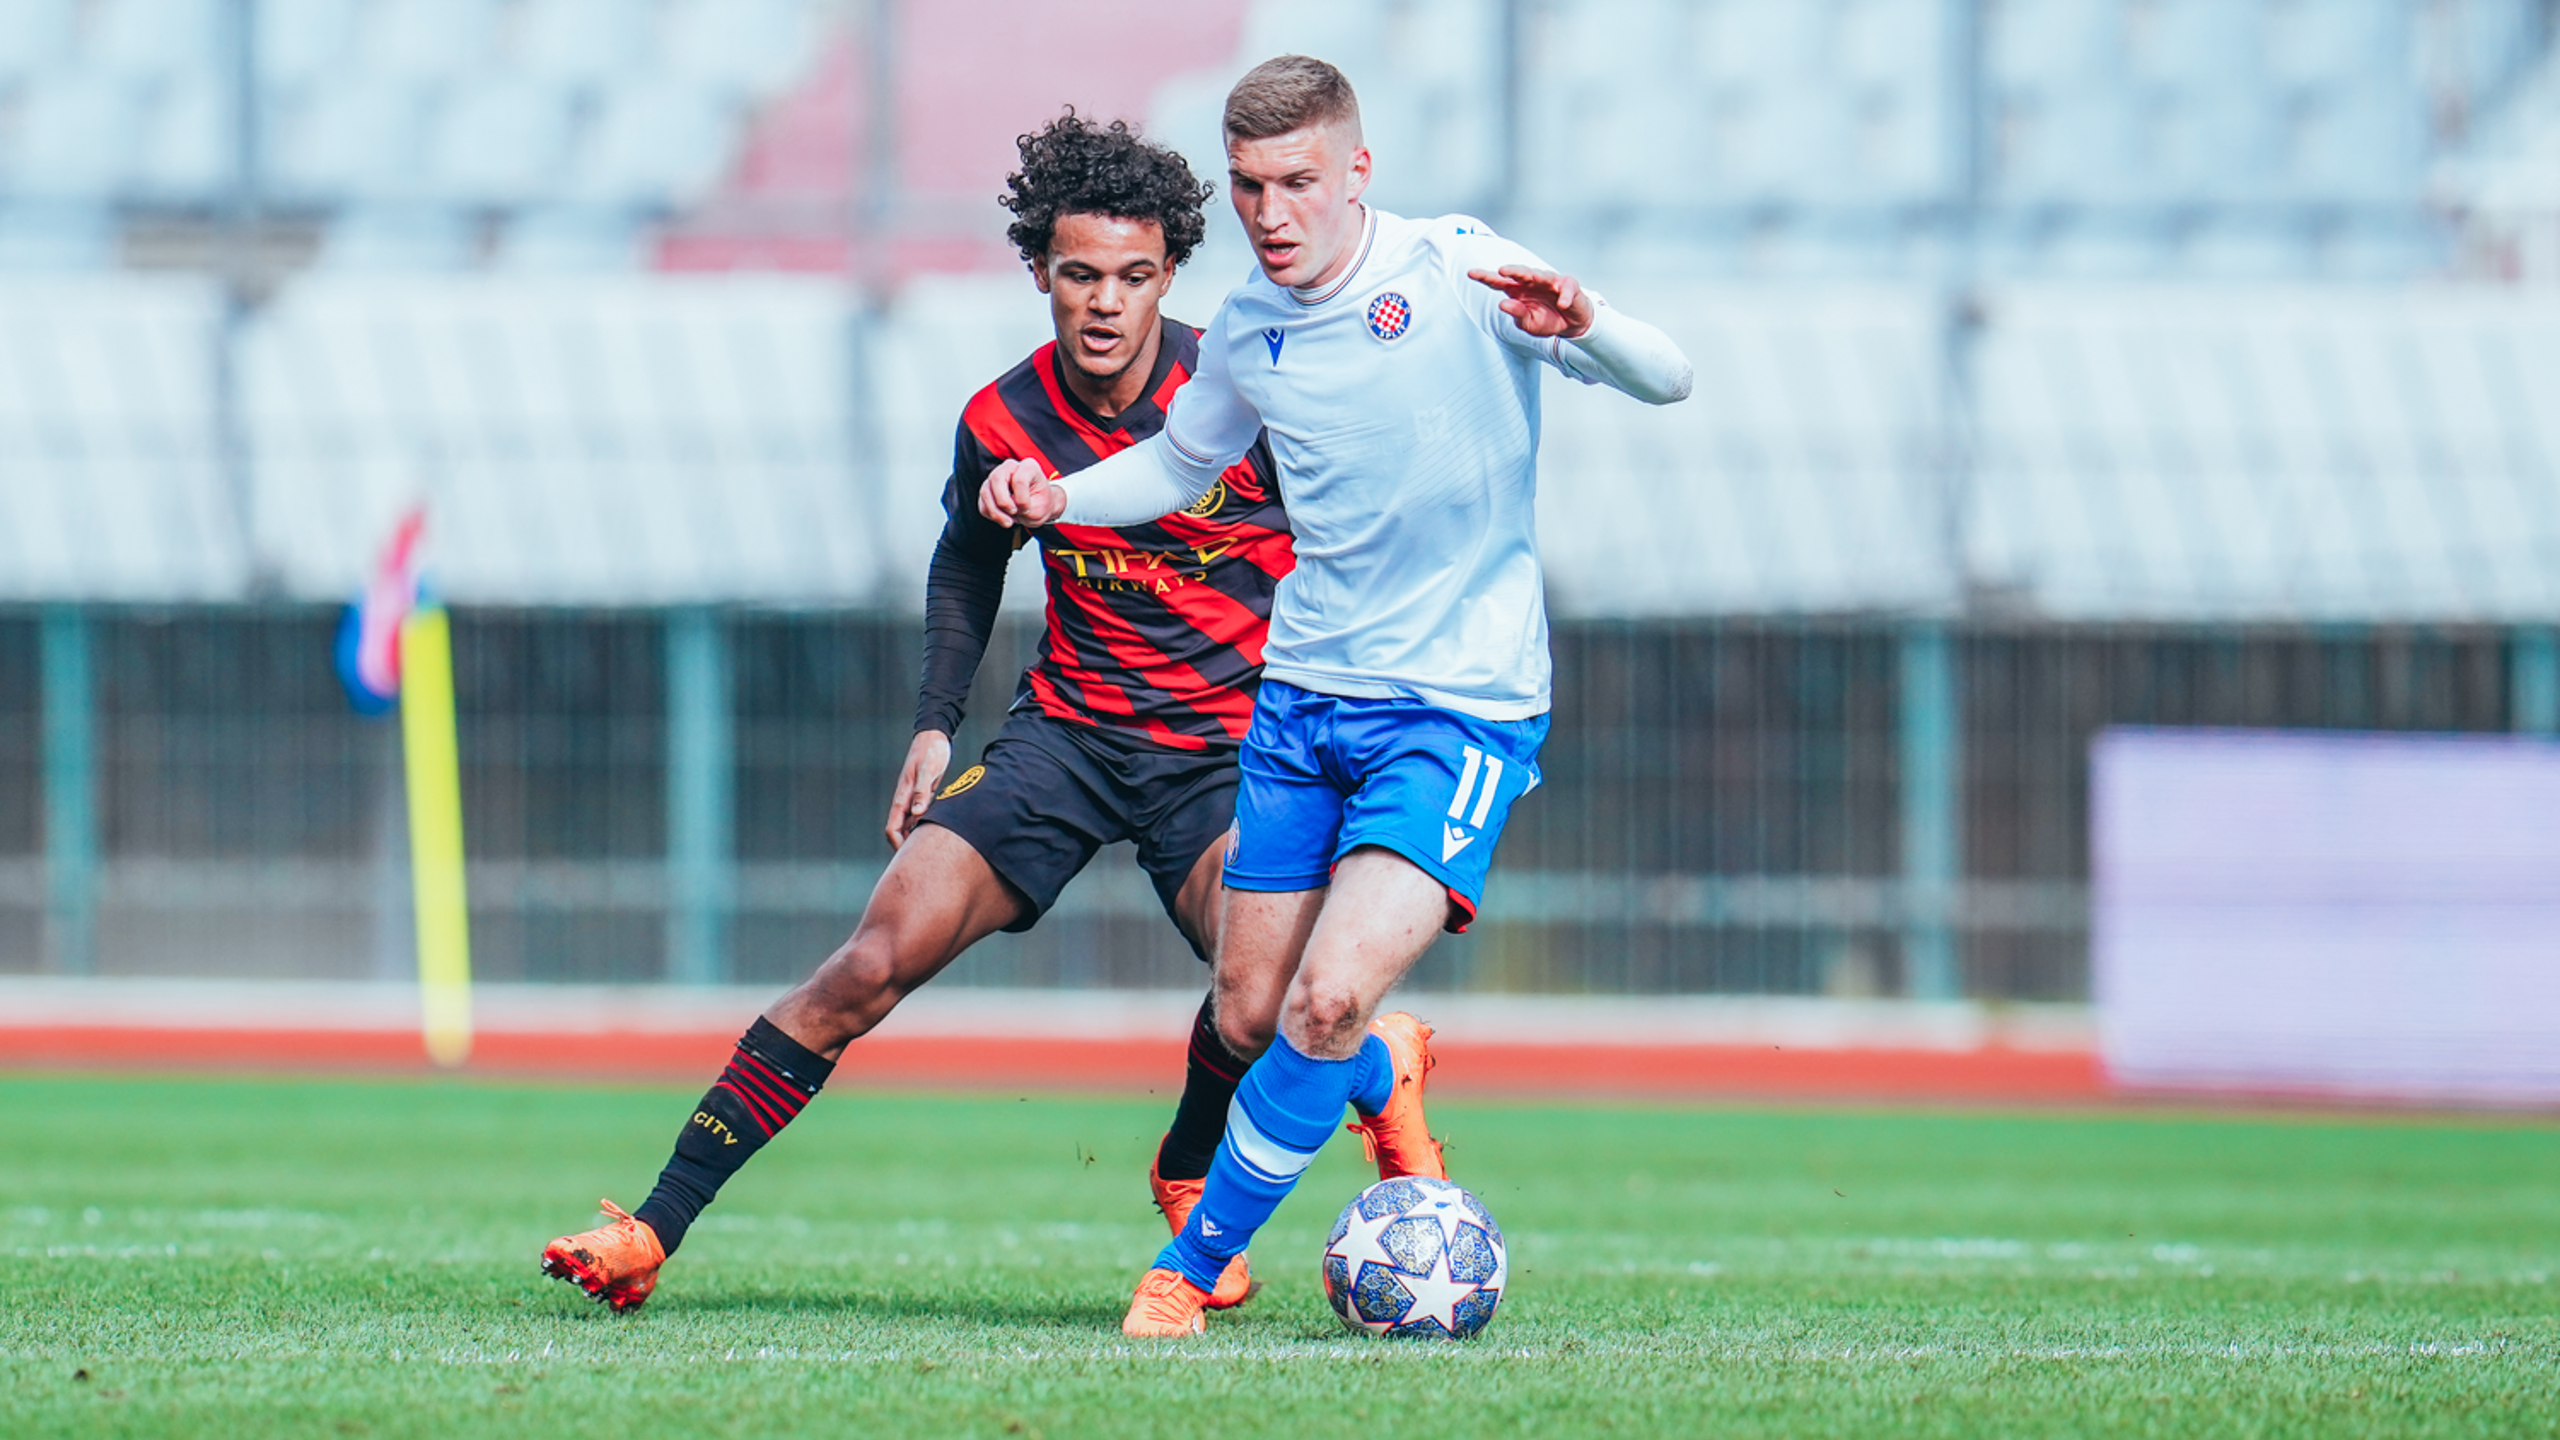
[1076, 167]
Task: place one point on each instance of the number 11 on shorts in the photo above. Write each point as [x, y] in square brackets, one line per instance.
[1474, 762]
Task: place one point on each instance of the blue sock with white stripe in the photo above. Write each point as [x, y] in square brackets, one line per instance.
[1283, 1113]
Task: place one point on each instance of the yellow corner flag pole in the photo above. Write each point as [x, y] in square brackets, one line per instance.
[435, 832]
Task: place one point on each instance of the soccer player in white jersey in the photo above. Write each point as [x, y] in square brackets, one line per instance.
[1394, 364]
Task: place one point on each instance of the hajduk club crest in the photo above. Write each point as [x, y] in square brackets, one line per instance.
[1389, 315]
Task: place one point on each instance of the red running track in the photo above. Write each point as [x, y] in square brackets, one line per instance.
[1991, 1075]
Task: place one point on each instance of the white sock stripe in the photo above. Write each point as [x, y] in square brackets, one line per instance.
[1492, 782]
[1466, 780]
[1259, 1152]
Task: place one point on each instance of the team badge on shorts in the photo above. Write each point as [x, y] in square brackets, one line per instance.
[968, 777]
[1389, 315]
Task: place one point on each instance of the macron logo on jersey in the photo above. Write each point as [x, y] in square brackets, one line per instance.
[1272, 337]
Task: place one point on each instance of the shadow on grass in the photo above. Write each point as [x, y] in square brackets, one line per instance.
[1087, 1317]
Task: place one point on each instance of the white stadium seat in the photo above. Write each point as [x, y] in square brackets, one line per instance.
[56, 236]
[188, 144]
[399, 239]
[581, 42]
[499, 142]
[35, 36]
[427, 40]
[652, 142]
[151, 39]
[737, 45]
[570, 239]
[353, 135]
[76, 135]
[304, 40]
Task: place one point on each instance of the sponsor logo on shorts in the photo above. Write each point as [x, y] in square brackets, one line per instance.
[1235, 840]
[968, 777]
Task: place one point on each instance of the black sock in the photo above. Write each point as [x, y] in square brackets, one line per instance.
[769, 1080]
[1208, 1085]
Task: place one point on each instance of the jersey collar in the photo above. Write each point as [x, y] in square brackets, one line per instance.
[1368, 235]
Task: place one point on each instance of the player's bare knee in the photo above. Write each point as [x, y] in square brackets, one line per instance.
[858, 986]
[1327, 1020]
[1246, 1036]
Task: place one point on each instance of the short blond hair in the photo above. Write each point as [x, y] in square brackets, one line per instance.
[1290, 92]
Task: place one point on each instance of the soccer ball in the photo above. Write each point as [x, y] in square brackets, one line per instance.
[1415, 1257]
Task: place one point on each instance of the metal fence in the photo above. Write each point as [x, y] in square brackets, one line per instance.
[1846, 807]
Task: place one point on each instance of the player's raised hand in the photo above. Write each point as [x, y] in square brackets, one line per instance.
[1545, 304]
[928, 755]
[1020, 492]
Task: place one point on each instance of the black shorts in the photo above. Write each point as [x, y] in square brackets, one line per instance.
[1049, 793]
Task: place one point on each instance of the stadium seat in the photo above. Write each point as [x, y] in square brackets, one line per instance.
[352, 136]
[2247, 249]
[1892, 43]
[2069, 144]
[652, 143]
[2338, 42]
[1899, 136]
[187, 142]
[2494, 43]
[427, 40]
[1748, 42]
[581, 42]
[2108, 248]
[740, 46]
[76, 132]
[2051, 44]
[499, 142]
[35, 35]
[303, 40]
[2219, 145]
[2360, 143]
[553, 239]
[152, 39]
[399, 238]
[2198, 46]
[42, 236]
[2381, 249]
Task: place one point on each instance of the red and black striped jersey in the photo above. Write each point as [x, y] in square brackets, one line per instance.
[1155, 630]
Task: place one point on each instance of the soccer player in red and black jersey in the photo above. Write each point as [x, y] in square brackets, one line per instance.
[1125, 728]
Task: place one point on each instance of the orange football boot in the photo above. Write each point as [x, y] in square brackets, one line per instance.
[1175, 1198]
[617, 1264]
[1396, 1137]
[1166, 1305]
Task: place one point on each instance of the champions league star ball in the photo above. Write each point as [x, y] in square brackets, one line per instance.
[1415, 1257]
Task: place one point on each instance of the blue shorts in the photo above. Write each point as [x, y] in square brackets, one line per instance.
[1324, 775]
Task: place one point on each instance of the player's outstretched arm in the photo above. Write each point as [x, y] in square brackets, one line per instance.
[1209, 428]
[1623, 353]
[928, 756]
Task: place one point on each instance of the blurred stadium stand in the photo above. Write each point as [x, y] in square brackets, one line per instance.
[2062, 363]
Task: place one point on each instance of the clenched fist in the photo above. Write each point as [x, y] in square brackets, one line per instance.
[1020, 492]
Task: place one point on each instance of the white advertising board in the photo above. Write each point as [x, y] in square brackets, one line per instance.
[2347, 915]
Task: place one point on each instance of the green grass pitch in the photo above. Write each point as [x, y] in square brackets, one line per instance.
[236, 1259]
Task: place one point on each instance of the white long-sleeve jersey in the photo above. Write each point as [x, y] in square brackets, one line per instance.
[1402, 406]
